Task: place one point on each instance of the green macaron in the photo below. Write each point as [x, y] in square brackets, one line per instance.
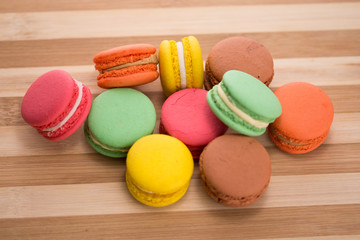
[118, 117]
[244, 103]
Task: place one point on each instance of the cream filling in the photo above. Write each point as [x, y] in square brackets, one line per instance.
[181, 57]
[136, 186]
[149, 60]
[103, 146]
[239, 112]
[72, 111]
[285, 140]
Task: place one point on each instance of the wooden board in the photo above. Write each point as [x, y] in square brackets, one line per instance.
[65, 190]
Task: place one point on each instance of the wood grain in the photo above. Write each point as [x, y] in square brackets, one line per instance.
[106, 198]
[95, 168]
[10, 107]
[63, 5]
[156, 21]
[59, 52]
[319, 70]
[274, 223]
[345, 129]
[65, 190]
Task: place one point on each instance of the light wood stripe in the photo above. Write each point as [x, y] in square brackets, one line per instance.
[317, 70]
[35, 53]
[95, 168]
[313, 70]
[155, 21]
[43, 5]
[113, 198]
[345, 129]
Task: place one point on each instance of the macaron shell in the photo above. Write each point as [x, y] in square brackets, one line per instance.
[299, 148]
[170, 79]
[47, 98]
[80, 119]
[251, 96]
[134, 77]
[207, 83]
[123, 54]
[154, 200]
[187, 116]
[235, 170]
[160, 164]
[197, 80]
[210, 80]
[243, 54]
[228, 117]
[99, 149]
[120, 116]
[307, 110]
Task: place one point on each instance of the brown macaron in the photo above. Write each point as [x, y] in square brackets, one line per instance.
[235, 170]
[238, 53]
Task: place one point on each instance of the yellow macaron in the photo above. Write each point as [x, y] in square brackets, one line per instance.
[158, 170]
[181, 65]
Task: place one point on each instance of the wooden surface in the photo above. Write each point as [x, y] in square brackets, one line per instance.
[64, 190]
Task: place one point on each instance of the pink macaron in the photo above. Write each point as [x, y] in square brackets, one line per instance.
[56, 105]
[187, 116]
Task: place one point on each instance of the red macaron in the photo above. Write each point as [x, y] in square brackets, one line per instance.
[56, 105]
[126, 66]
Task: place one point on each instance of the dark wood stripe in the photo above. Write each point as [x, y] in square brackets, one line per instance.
[59, 52]
[228, 223]
[326, 159]
[10, 112]
[60, 169]
[95, 168]
[344, 98]
[64, 5]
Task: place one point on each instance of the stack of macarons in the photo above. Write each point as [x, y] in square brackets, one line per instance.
[235, 168]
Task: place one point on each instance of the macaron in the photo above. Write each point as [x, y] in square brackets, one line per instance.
[238, 53]
[126, 66]
[181, 65]
[56, 105]
[305, 120]
[187, 116]
[244, 103]
[158, 170]
[235, 170]
[118, 118]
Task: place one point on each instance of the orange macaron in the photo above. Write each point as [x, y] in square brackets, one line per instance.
[307, 114]
[126, 66]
